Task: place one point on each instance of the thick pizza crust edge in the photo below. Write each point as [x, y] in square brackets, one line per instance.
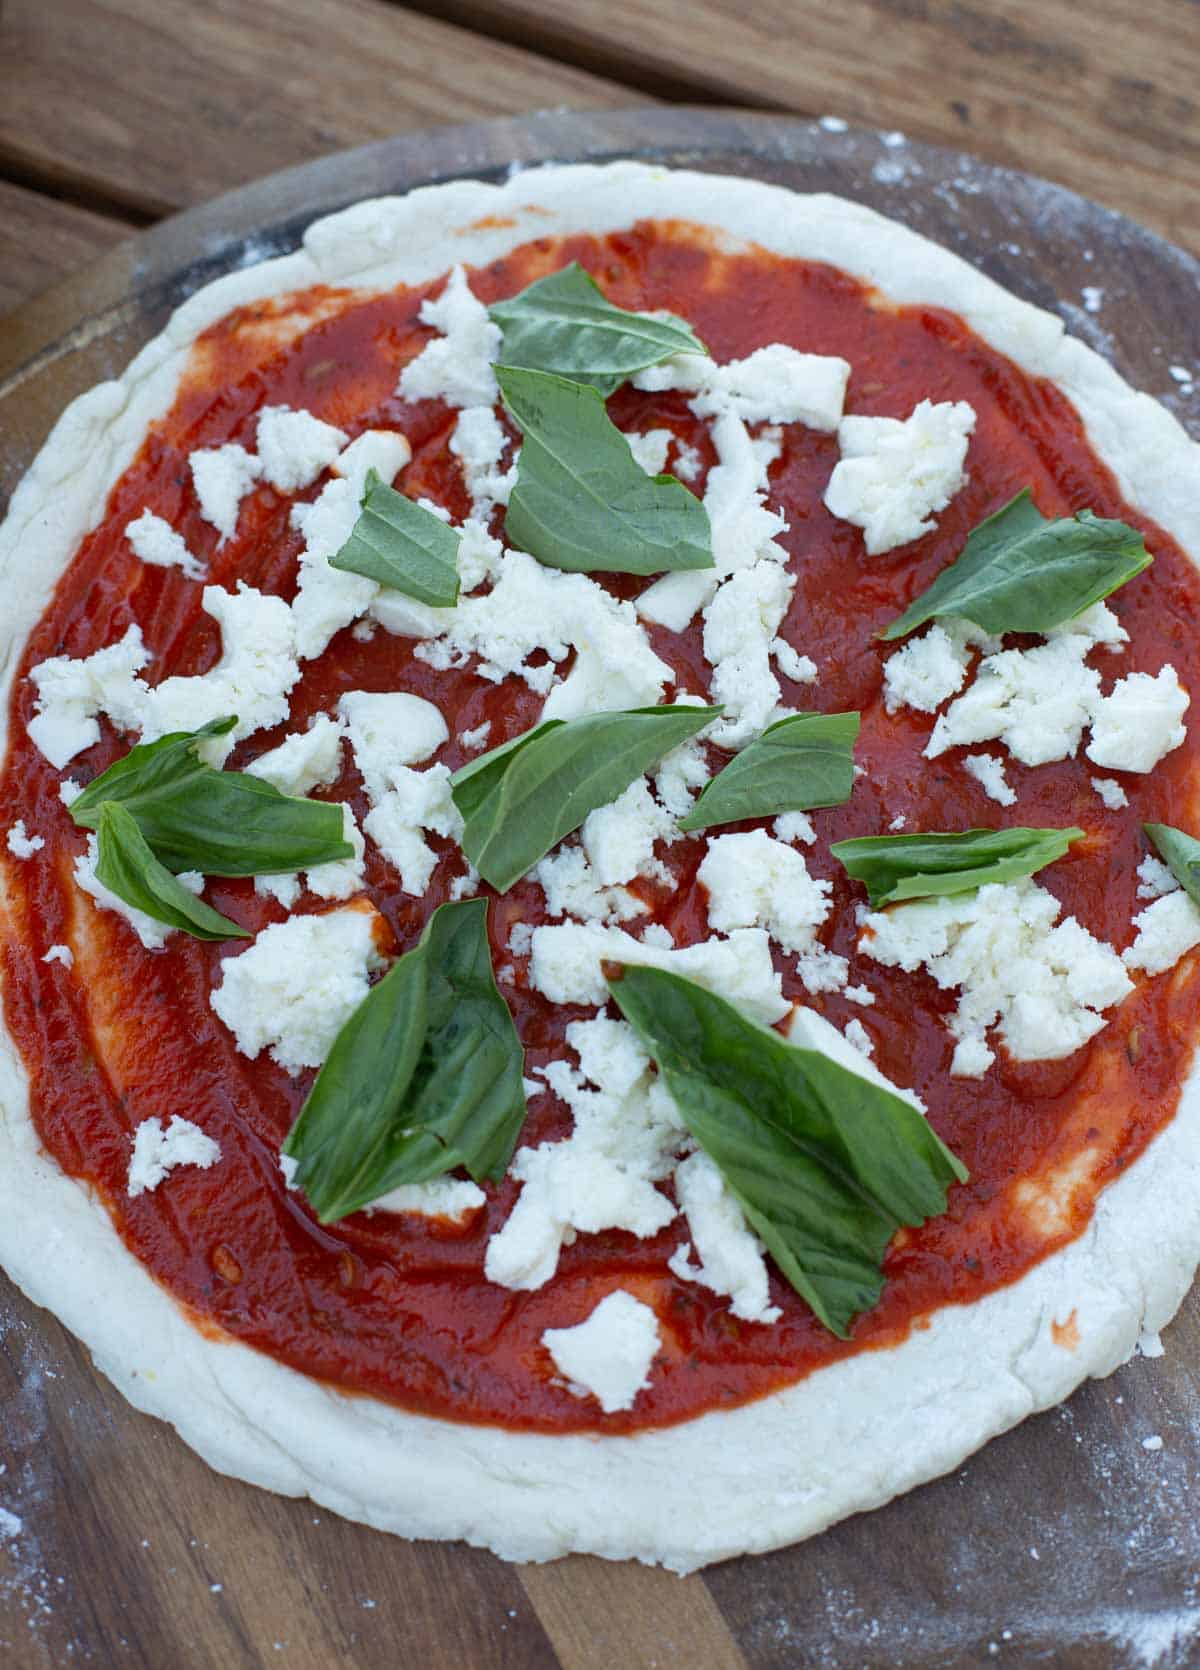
[848, 1437]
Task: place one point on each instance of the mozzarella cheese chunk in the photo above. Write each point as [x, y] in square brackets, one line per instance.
[566, 959]
[1139, 722]
[1110, 792]
[20, 843]
[479, 442]
[1166, 930]
[794, 826]
[417, 801]
[740, 626]
[152, 933]
[1036, 702]
[895, 475]
[327, 598]
[650, 449]
[293, 990]
[455, 1198]
[156, 542]
[295, 447]
[732, 1258]
[222, 477]
[159, 1149]
[456, 366]
[1042, 985]
[71, 693]
[753, 881]
[389, 730]
[1155, 878]
[385, 451]
[60, 954]
[608, 1357]
[933, 666]
[775, 384]
[304, 760]
[338, 878]
[988, 772]
[616, 844]
[808, 1030]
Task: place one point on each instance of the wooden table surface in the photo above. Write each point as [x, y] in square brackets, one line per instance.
[116, 113]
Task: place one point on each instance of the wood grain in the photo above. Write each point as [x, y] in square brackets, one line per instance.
[44, 240]
[599, 1615]
[192, 100]
[1104, 100]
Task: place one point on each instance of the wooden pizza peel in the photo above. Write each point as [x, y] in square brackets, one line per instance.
[1072, 1541]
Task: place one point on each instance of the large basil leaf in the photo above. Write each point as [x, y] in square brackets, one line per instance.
[224, 823]
[1023, 572]
[825, 1165]
[518, 800]
[128, 868]
[425, 1076]
[566, 324]
[796, 765]
[403, 546]
[1180, 852]
[582, 501]
[895, 867]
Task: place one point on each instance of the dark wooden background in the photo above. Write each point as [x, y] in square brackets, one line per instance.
[1063, 1543]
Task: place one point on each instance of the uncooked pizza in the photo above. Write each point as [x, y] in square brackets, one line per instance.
[599, 874]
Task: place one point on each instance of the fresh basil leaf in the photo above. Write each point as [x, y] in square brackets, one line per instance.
[825, 1165]
[566, 324]
[1023, 572]
[425, 1076]
[128, 868]
[796, 765]
[224, 823]
[895, 867]
[518, 800]
[403, 546]
[582, 501]
[1181, 854]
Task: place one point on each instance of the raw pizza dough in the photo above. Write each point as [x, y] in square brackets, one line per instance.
[851, 1435]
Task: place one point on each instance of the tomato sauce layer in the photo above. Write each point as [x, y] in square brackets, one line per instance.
[397, 1306]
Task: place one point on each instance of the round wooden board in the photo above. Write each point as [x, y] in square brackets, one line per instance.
[1066, 1541]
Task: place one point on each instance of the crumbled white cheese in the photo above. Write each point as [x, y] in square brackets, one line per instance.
[740, 625]
[1155, 878]
[20, 843]
[808, 1030]
[794, 826]
[1110, 792]
[156, 542]
[566, 965]
[340, 878]
[1097, 624]
[571, 889]
[1139, 722]
[386, 451]
[1035, 701]
[69, 791]
[304, 760]
[616, 844]
[688, 462]
[933, 665]
[1166, 930]
[753, 881]
[153, 934]
[856, 1034]
[158, 1149]
[222, 476]
[801, 669]
[988, 772]
[1042, 985]
[473, 740]
[650, 450]
[778, 384]
[681, 774]
[295, 447]
[732, 1258]
[416, 801]
[609, 1355]
[327, 599]
[71, 694]
[457, 366]
[455, 1198]
[60, 954]
[389, 730]
[294, 989]
[479, 442]
[894, 475]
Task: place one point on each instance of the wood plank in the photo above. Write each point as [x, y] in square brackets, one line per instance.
[599, 1614]
[1109, 109]
[216, 95]
[44, 240]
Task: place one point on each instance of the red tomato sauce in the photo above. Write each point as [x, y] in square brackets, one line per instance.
[398, 1307]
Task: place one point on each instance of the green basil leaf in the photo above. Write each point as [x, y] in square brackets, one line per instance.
[424, 1077]
[582, 501]
[825, 1165]
[128, 868]
[522, 798]
[1023, 572]
[224, 823]
[566, 324]
[796, 765]
[403, 546]
[895, 867]
[1181, 854]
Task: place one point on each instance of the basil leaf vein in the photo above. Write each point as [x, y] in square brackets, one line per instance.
[520, 799]
[1023, 572]
[224, 823]
[1180, 853]
[582, 502]
[796, 765]
[825, 1165]
[403, 546]
[566, 324]
[424, 1077]
[922, 866]
[126, 865]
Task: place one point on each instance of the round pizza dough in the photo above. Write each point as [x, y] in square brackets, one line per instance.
[851, 1435]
